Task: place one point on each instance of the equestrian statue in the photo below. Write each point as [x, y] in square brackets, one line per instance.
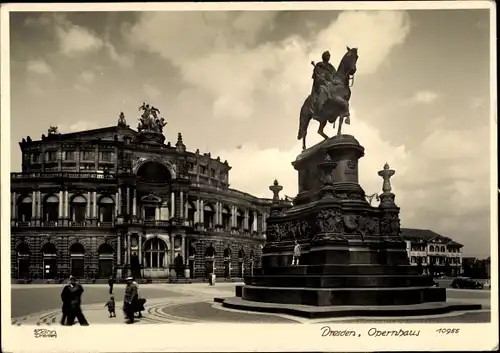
[330, 94]
[150, 120]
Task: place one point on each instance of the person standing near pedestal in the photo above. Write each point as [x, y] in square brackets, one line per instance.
[296, 254]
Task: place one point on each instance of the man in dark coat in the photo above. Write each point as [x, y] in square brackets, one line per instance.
[72, 299]
[130, 299]
[111, 282]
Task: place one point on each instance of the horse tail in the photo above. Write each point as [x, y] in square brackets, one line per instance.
[305, 118]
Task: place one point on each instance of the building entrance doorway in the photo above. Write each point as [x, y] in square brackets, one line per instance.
[105, 268]
[49, 267]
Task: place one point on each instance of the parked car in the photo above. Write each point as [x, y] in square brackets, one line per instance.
[466, 283]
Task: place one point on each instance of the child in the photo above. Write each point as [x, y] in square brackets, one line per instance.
[111, 306]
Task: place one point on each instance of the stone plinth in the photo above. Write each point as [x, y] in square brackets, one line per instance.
[151, 137]
[352, 255]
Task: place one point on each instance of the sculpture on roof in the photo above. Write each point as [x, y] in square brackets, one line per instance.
[121, 120]
[53, 130]
[150, 119]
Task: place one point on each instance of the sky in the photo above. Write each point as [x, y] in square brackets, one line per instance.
[233, 84]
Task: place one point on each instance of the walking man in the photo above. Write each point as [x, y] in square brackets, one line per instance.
[131, 294]
[296, 254]
[111, 282]
[72, 297]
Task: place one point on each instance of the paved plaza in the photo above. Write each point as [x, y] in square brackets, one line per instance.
[193, 303]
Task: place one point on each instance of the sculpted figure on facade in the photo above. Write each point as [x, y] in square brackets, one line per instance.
[150, 119]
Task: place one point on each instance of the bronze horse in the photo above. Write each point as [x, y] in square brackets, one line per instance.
[338, 94]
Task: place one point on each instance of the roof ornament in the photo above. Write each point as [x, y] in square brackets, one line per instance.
[121, 120]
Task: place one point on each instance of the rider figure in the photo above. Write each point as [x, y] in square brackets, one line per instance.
[322, 74]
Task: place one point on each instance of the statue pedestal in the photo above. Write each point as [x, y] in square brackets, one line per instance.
[151, 137]
[353, 260]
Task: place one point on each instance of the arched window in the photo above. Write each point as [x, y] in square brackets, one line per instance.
[241, 254]
[106, 209]
[78, 209]
[49, 253]
[431, 248]
[51, 208]
[153, 172]
[227, 252]
[413, 260]
[23, 260]
[210, 251]
[240, 219]
[25, 209]
[443, 249]
[226, 218]
[208, 217]
[190, 211]
[77, 260]
[105, 260]
[192, 251]
[154, 253]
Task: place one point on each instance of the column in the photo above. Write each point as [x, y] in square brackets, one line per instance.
[66, 204]
[118, 249]
[94, 211]
[119, 201]
[264, 223]
[245, 222]
[128, 201]
[33, 205]
[217, 213]
[157, 213]
[39, 205]
[202, 213]
[89, 202]
[186, 213]
[172, 248]
[254, 223]
[181, 208]
[172, 204]
[183, 248]
[197, 212]
[134, 202]
[233, 216]
[139, 241]
[128, 248]
[117, 204]
[61, 204]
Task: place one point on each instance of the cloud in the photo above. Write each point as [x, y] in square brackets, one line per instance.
[75, 40]
[124, 60]
[81, 88]
[87, 76]
[34, 88]
[39, 66]
[219, 58]
[425, 97]
[151, 91]
[80, 125]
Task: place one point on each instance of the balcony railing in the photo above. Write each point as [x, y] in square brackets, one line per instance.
[64, 175]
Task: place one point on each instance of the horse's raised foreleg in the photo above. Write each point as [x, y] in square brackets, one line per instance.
[322, 125]
[304, 142]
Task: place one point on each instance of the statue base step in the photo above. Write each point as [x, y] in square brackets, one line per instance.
[378, 296]
[318, 312]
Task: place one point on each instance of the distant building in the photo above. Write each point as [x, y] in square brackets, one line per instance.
[433, 252]
[116, 201]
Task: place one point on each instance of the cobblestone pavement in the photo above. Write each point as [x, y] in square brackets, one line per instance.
[193, 303]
